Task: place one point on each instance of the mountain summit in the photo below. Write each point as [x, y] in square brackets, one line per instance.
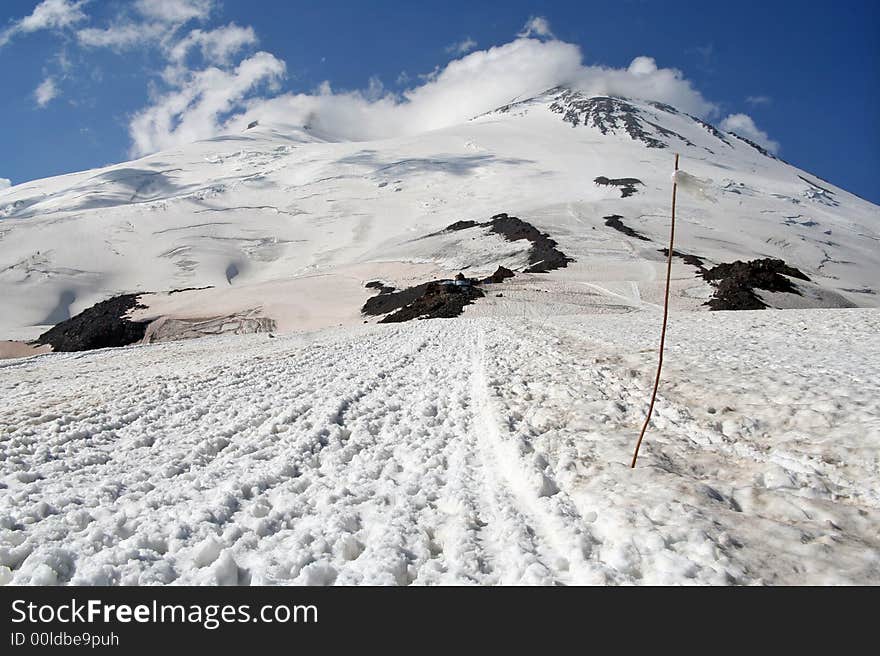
[281, 224]
[489, 444]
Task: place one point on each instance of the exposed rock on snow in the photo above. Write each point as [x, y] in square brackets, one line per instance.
[390, 301]
[501, 274]
[627, 185]
[544, 255]
[609, 115]
[102, 325]
[281, 204]
[491, 448]
[735, 283]
[687, 258]
[616, 221]
[379, 285]
[439, 300]
[760, 149]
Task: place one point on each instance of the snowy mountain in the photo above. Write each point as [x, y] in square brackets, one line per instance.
[286, 225]
[466, 451]
[493, 448]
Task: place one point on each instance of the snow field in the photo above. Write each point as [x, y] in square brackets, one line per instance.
[476, 450]
[274, 216]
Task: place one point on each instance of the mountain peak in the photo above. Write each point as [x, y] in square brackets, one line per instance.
[653, 123]
[609, 115]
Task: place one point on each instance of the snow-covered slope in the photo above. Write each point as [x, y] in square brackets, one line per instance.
[326, 458]
[274, 206]
[490, 448]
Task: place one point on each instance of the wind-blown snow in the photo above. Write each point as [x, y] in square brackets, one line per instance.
[325, 458]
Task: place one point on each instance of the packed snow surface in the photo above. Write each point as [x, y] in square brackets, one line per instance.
[479, 450]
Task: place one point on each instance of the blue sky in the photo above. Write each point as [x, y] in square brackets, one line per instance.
[90, 82]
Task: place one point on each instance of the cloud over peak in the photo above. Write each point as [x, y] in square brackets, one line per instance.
[193, 107]
[209, 80]
[744, 126]
[467, 86]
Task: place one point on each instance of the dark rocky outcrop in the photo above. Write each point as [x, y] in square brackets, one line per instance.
[438, 300]
[627, 186]
[461, 225]
[387, 302]
[606, 114]
[190, 289]
[99, 326]
[612, 115]
[381, 286]
[501, 274]
[616, 221]
[448, 298]
[544, 255]
[693, 260]
[736, 282]
[760, 149]
[715, 132]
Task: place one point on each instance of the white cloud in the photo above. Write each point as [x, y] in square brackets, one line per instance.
[52, 14]
[195, 108]
[466, 87]
[5, 183]
[462, 47]
[120, 36]
[536, 26]
[223, 90]
[46, 92]
[744, 126]
[175, 11]
[216, 45]
[754, 101]
[644, 79]
[48, 15]
[156, 22]
[643, 66]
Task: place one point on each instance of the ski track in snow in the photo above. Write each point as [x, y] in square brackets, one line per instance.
[479, 451]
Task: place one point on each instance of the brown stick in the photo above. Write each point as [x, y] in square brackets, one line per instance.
[663, 330]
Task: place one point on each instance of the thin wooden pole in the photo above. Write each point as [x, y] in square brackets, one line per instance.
[665, 318]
